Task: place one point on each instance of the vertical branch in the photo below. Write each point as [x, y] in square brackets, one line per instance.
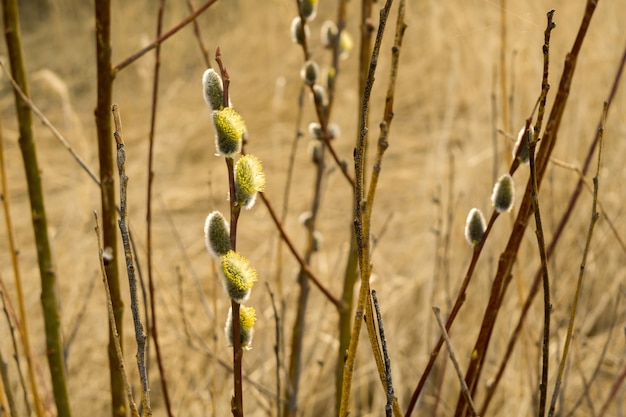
[107, 194]
[543, 385]
[153, 329]
[49, 300]
[130, 267]
[362, 228]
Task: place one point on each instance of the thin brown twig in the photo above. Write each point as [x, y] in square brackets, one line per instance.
[276, 349]
[152, 325]
[50, 126]
[457, 368]
[303, 265]
[126, 62]
[196, 31]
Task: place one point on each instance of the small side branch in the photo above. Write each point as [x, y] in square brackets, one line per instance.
[457, 368]
[130, 267]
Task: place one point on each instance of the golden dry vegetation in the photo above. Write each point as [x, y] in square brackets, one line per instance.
[439, 165]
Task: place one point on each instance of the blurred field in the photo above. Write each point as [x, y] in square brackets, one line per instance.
[440, 146]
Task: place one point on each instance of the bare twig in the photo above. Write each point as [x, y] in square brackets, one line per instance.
[303, 265]
[118, 347]
[50, 126]
[196, 31]
[457, 368]
[543, 385]
[383, 342]
[276, 349]
[152, 326]
[126, 62]
[130, 267]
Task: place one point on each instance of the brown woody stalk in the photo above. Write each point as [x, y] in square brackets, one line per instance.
[107, 194]
[152, 326]
[49, 301]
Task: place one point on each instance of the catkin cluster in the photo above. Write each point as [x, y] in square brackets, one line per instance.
[238, 275]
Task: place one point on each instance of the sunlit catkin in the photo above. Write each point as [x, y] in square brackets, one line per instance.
[229, 130]
[249, 180]
[239, 276]
[474, 227]
[216, 234]
[503, 195]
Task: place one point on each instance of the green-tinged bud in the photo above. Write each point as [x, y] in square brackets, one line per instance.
[309, 72]
[523, 139]
[230, 128]
[247, 318]
[217, 234]
[328, 34]
[239, 276]
[213, 89]
[345, 44]
[503, 194]
[249, 180]
[298, 35]
[474, 227]
[320, 95]
[308, 8]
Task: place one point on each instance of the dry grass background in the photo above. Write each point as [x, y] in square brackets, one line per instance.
[442, 108]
